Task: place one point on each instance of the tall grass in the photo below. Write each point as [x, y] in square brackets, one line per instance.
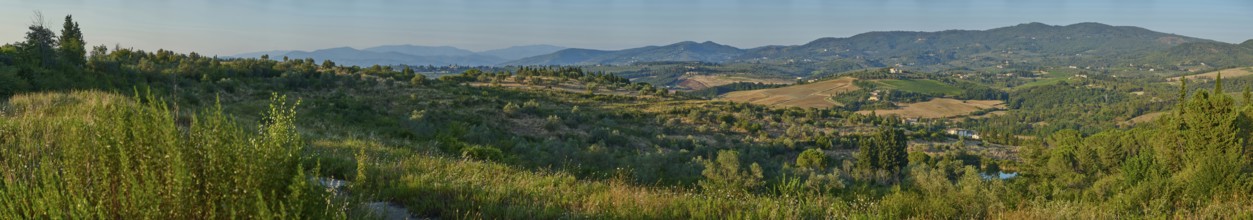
[431, 184]
[95, 155]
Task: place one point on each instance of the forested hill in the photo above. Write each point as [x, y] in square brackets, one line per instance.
[1092, 45]
[1032, 42]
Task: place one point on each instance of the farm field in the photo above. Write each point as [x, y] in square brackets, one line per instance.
[808, 95]
[698, 82]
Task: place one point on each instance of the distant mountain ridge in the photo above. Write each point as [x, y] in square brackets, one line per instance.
[682, 51]
[519, 52]
[422, 50]
[1030, 44]
[410, 55]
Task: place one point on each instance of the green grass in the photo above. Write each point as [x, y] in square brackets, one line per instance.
[920, 86]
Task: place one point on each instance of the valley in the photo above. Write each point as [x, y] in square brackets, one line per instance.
[1030, 121]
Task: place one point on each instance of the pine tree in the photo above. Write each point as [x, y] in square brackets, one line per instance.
[73, 49]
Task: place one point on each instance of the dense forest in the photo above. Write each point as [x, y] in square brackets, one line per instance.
[117, 133]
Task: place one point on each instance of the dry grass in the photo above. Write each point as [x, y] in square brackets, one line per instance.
[697, 82]
[815, 95]
[940, 108]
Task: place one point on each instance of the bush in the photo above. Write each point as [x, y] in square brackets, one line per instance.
[479, 152]
[812, 159]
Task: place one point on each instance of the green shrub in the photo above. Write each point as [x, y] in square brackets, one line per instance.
[812, 159]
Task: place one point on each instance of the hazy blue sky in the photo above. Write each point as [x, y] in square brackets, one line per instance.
[227, 27]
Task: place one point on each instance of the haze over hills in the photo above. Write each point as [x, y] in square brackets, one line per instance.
[410, 55]
[682, 51]
[519, 52]
[422, 50]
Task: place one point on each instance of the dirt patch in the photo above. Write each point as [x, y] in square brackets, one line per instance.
[940, 108]
[812, 95]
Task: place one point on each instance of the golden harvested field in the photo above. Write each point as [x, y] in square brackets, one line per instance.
[698, 82]
[1227, 73]
[807, 95]
[939, 108]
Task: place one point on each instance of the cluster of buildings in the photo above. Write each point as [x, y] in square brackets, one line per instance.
[969, 134]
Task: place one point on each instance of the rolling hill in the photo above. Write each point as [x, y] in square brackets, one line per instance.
[1076, 44]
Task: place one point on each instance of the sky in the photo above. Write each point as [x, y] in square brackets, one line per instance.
[227, 27]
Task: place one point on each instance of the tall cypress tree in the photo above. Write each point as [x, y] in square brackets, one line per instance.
[1218, 84]
[892, 150]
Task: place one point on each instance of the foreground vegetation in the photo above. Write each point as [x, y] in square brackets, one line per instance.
[93, 155]
[212, 140]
